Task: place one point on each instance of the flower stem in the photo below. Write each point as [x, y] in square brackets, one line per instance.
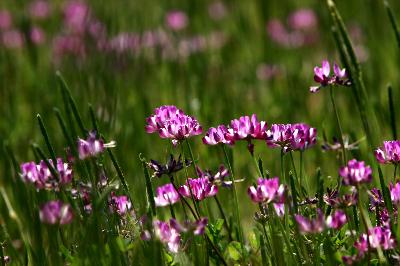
[236, 204]
[338, 124]
[221, 210]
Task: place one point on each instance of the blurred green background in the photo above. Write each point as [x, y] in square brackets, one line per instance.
[242, 69]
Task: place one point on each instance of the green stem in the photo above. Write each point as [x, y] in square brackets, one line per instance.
[221, 210]
[236, 204]
[339, 126]
[394, 173]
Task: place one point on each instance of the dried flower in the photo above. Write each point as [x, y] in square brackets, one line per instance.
[356, 172]
[166, 195]
[389, 153]
[172, 166]
[56, 212]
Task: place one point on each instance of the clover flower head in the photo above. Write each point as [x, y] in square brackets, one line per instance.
[166, 195]
[356, 172]
[389, 152]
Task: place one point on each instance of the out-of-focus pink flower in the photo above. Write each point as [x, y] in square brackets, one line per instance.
[389, 153]
[41, 176]
[306, 225]
[69, 45]
[217, 10]
[377, 237]
[176, 20]
[120, 204]
[166, 195]
[125, 43]
[200, 187]
[170, 122]
[92, 146]
[37, 35]
[167, 235]
[76, 15]
[302, 19]
[5, 19]
[267, 72]
[336, 220]
[12, 39]
[356, 172]
[395, 193]
[56, 212]
[39, 9]
[278, 32]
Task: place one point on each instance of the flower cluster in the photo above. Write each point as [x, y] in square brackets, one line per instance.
[267, 191]
[389, 153]
[289, 137]
[170, 234]
[171, 122]
[41, 176]
[92, 146]
[323, 77]
[317, 225]
[166, 195]
[120, 204]
[356, 172]
[200, 187]
[56, 212]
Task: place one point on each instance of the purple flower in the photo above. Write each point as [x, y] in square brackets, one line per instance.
[197, 227]
[355, 172]
[120, 204]
[323, 77]
[267, 190]
[12, 39]
[375, 199]
[176, 20]
[218, 178]
[216, 136]
[92, 146]
[76, 15]
[39, 9]
[291, 136]
[37, 36]
[306, 225]
[172, 166]
[246, 128]
[303, 136]
[337, 220]
[167, 235]
[56, 212]
[41, 176]
[217, 10]
[200, 187]
[395, 192]
[389, 153]
[5, 19]
[166, 195]
[377, 237]
[171, 122]
[302, 19]
[280, 135]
